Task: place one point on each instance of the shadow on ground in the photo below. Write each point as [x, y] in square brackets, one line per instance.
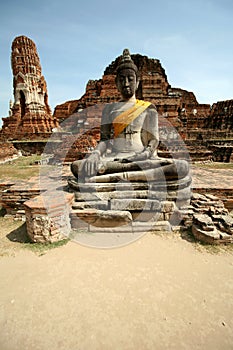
[19, 235]
[2, 212]
[187, 235]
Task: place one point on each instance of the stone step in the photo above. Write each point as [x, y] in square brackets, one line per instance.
[100, 218]
[184, 194]
[86, 196]
[135, 204]
[159, 226]
[129, 186]
[101, 205]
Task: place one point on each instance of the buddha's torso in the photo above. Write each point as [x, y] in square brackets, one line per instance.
[129, 140]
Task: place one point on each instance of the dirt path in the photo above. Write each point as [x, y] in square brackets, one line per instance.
[157, 293]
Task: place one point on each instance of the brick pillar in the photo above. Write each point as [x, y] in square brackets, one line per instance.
[48, 217]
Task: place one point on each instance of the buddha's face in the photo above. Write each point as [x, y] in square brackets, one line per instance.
[127, 83]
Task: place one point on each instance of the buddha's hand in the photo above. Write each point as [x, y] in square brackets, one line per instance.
[92, 164]
[137, 157]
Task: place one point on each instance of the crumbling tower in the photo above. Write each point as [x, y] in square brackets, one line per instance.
[30, 116]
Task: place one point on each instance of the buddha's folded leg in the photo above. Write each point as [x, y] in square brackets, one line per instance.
[76, 167]
[108, 167]
[174, 171]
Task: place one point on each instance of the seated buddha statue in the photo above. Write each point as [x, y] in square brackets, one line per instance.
[129, 138]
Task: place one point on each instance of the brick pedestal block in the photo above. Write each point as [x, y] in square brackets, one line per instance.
[47, 217]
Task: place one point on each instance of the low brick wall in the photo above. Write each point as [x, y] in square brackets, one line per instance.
[13, 195]
[4, 186]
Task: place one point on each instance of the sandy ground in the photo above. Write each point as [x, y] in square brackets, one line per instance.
[159, 292]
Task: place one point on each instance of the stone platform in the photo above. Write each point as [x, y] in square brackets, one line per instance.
[129, 207]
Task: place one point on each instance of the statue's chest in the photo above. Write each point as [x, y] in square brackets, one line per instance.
[130, 137]
[134, 125]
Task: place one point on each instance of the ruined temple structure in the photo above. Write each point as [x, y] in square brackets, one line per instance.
[176, 107]
[30, 116]
[206, 130]
[220, 127]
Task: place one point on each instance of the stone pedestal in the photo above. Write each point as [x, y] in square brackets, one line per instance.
[129, 207]
[48, 218]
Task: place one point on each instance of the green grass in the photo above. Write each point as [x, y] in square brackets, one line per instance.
[21, 168]
[213, 165]
[13, 237]
[43, 248]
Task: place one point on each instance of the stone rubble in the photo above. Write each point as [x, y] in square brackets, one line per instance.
[211, 221]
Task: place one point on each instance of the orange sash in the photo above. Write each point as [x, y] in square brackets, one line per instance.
[125, 118]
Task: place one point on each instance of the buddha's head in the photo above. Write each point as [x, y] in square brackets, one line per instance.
[127, 76]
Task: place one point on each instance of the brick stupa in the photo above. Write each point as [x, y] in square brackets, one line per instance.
[30, 116]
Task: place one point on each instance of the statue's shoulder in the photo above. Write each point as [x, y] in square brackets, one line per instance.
[152, 108]
[108, 107]
[148, 104]
[108, 111]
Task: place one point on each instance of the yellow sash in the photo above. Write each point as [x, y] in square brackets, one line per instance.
[125, 118]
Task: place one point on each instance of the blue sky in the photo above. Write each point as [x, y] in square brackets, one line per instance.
[76, 40]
